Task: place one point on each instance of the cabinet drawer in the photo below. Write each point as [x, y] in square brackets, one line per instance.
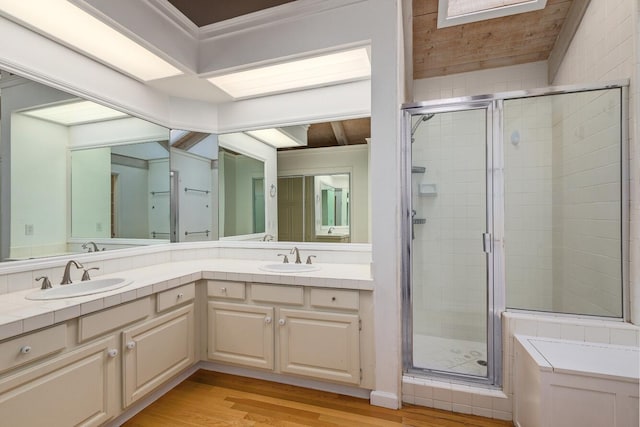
[277, 294]
[175, 296]
[96, 324]
[334, 298]
[224, 289]
[33, 346]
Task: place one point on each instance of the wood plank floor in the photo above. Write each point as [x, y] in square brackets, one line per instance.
[215, 399]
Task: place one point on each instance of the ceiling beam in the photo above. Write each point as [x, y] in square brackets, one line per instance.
[338, 131]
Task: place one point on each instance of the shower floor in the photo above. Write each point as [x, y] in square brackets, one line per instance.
[444, 354]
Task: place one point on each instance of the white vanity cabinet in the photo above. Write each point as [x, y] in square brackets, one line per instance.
[305, 331]
[155, 351]
[75, 388]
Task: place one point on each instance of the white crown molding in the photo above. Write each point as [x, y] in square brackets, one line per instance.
[175, 17]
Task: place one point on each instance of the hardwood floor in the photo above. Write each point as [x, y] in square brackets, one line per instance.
[214, 399]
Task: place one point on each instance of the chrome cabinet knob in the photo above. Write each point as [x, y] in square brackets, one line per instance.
[131, 345]
[223, 290]
[113, 352]
[25, 349]
[281, 322]
[180, 295]
[267, 320]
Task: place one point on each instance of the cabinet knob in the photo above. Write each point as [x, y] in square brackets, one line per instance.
[180, 295]
[131, 345]
[333, 298]
[281, 322]
[223, 290]
[25, 349]
[267, 320]
[113, 352]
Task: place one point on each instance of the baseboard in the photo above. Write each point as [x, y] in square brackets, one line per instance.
[284, 379]
[384, 399]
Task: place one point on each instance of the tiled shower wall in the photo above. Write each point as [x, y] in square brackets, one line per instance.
[449, 271]
[528, 205]
[586, 203]
[604, 49]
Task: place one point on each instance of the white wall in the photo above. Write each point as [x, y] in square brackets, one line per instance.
[502, 79]
[91, 193]
[38, 186]
[603, 49]
[195, 208]
[347, 159]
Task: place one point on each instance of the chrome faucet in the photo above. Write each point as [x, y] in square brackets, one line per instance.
[66, 277]
[93, 249]
[297, 252]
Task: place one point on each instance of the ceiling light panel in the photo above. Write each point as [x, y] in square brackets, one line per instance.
[75, 113]
[305, 73]
[274, 137]
[75, 28]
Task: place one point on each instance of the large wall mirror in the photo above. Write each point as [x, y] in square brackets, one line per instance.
[83, 177]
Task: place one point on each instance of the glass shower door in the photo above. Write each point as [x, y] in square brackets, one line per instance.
[449, 264]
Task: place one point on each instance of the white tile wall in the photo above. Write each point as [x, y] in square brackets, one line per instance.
[502, 79]
[449, 265]
[603, 49]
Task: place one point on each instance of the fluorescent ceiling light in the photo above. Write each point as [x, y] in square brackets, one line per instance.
[456, 12]
[75, 113]
[305, 73]
[275, 137]
[61, 20]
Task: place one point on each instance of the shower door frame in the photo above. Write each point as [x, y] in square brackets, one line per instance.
[496, 289]
[495, 300]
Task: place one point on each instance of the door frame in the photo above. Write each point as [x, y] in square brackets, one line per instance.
[494, 291]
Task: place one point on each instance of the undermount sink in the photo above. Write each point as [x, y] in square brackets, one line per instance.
[79, 289]
[289, 268]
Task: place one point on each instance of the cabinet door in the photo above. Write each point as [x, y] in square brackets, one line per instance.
[156, 351]
[241, 334]
[319, 344]
[77, 388]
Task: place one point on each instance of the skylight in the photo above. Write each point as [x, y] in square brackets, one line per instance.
[456, 12]
[304, 73]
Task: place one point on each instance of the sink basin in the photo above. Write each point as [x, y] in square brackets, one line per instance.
[289, 268]
[79, 289]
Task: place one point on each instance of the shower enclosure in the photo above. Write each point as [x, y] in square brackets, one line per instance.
[505, 198]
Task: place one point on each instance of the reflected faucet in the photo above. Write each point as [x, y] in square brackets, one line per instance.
[66, 277]
[297, 252]
[267, 238]
[93, 249]
[330, 230]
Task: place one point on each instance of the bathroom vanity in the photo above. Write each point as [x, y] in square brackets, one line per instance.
[99, 356]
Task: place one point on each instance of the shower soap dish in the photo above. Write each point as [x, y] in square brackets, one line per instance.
[429, 190]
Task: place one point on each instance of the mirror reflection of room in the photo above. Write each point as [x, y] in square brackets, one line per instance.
[323, 188]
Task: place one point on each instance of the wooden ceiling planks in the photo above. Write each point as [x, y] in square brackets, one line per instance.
[498, 42]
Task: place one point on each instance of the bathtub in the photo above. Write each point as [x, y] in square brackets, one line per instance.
[570, 383]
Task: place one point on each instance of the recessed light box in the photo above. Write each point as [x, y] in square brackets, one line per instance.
[65, 22]
[456, 12]
[323, 70]
[74, 113]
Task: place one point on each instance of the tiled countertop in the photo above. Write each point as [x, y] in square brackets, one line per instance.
[19, 315]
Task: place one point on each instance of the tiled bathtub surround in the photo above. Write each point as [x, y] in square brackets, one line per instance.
[498, 404]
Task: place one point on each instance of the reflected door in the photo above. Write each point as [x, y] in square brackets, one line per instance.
[449, 282]
[290, 209]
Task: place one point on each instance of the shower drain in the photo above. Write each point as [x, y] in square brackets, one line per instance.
[481, 362]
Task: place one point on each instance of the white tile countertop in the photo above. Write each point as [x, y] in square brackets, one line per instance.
[19, 315]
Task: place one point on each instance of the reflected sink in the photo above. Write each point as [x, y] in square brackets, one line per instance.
[289, 268]
[79, 289]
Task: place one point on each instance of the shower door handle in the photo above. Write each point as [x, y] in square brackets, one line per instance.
[486, 242]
